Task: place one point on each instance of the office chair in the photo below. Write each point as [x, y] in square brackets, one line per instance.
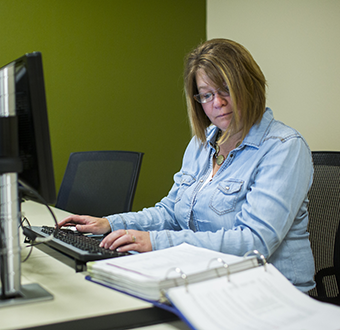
[99, 183]
[324, 219]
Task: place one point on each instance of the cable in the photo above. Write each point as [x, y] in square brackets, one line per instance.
[31, 246]
[25, 190]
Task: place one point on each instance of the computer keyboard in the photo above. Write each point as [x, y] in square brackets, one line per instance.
[80, 247]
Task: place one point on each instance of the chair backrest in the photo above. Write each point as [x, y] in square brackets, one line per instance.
[99, 183]
[324, 219]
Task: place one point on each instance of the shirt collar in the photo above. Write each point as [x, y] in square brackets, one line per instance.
[256, 133]
[259, 130]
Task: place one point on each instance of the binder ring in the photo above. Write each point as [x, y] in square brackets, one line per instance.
[259, 256]
[225, 265]
[182, 275]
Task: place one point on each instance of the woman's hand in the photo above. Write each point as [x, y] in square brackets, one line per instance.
[122, 240]
[87, 224]
[127, 240]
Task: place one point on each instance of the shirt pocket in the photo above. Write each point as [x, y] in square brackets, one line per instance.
[186, 181]
[225, 196]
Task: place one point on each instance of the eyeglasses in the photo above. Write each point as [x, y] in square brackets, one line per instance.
[209, 96]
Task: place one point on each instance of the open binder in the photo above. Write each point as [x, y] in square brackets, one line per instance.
[212, 290]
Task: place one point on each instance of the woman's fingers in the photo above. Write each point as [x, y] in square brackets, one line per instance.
[127, 240]
[87, 224]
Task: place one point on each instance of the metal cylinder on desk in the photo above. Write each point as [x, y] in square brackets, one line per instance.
[10, 165]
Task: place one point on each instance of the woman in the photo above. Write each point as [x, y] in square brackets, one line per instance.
[244, 178]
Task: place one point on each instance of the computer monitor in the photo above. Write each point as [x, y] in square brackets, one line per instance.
[33, 129]
[25, 157]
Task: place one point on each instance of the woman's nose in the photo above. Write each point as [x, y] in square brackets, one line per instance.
[219, 101]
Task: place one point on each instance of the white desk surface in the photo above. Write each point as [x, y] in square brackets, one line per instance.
[74, 297]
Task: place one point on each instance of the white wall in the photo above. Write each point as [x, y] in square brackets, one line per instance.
[297, 45]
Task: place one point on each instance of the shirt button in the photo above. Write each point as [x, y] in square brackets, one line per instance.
[227, 188]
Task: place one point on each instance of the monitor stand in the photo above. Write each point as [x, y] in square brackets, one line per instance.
[12, 292]
[29, 293]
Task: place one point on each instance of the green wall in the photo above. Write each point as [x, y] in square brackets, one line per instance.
[113, 76]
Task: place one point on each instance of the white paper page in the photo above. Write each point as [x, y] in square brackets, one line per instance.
[155, 265]
[253, 299]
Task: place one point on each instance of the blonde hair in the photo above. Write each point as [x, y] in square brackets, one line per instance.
[226, 62]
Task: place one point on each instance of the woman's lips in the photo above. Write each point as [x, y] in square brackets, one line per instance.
[224, 115]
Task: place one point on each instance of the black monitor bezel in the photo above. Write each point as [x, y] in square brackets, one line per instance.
[40, 126]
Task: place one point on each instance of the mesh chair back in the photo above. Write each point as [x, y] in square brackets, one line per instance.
[99, 183]
[324, 219]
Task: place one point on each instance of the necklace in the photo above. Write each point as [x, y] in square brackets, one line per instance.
[219, 158]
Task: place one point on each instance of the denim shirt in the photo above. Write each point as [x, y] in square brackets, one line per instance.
[256, 201]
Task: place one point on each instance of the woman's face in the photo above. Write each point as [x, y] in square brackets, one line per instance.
[221, 109]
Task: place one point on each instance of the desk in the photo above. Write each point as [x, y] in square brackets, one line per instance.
[77, 303]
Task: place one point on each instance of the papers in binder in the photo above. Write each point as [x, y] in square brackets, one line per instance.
[216, 291]
[149, 275]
